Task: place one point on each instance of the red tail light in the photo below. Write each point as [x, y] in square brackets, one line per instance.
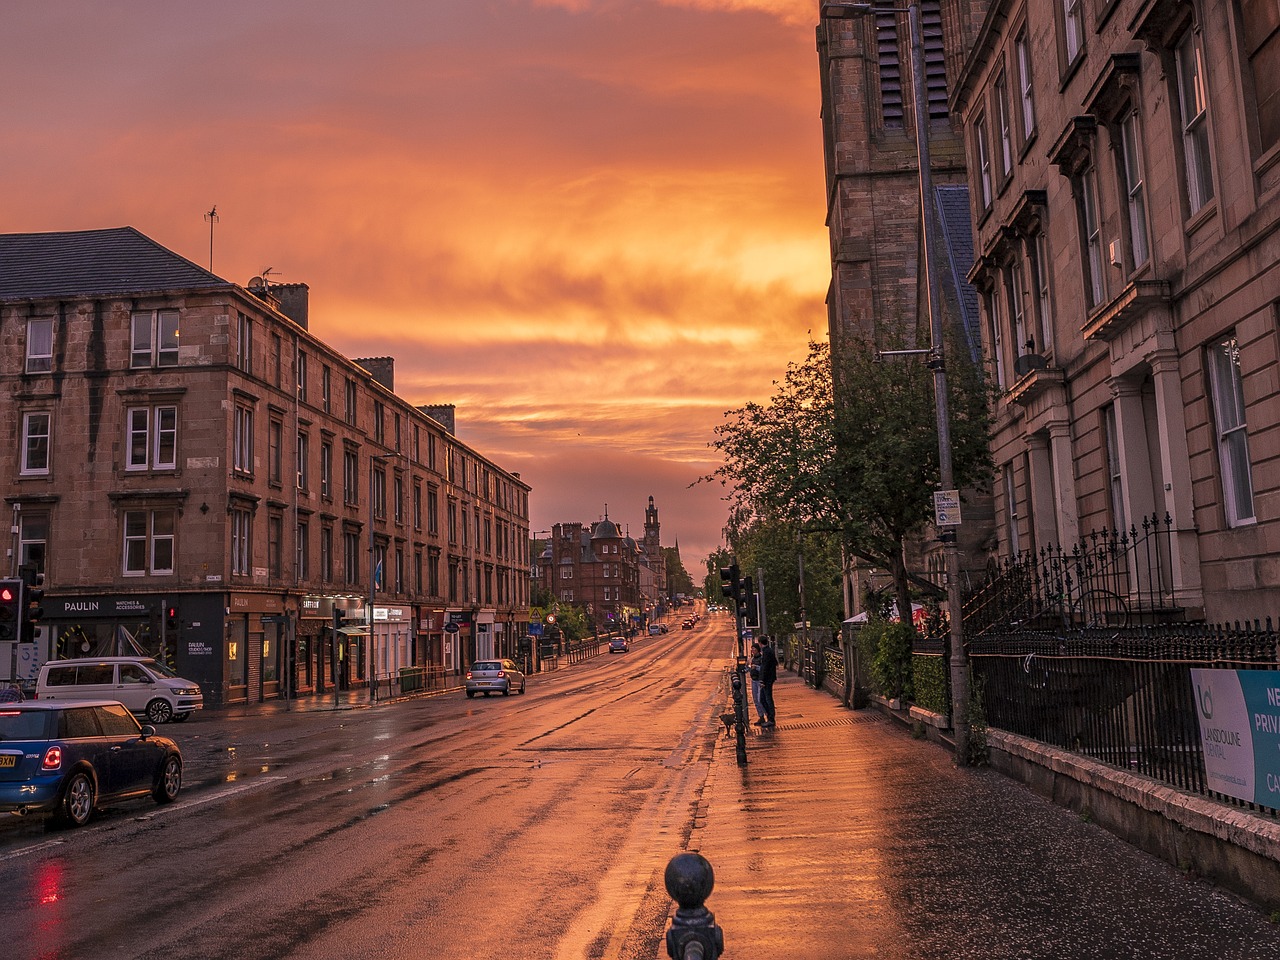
[501, 674]
[52, 759]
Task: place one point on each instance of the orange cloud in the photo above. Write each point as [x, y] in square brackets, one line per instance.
[594, 226]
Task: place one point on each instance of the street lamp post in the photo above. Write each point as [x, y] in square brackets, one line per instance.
[959, 665]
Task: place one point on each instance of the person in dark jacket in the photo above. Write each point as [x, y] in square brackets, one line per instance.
[768, 676]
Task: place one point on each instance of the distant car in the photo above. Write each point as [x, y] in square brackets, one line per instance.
[656, 628]
[67, 757]
[494, 676]
[619, 645]
[687, 624]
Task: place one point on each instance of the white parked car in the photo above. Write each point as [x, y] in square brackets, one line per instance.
[146, 686]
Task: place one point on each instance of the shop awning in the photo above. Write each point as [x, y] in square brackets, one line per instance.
[354, 631]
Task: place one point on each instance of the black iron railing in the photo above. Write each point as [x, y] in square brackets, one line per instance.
[1108, 579]
[1123, 697]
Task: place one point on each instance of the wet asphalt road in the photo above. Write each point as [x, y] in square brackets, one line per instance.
[539, 827]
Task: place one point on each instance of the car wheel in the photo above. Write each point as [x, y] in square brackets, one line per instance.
[180, 717]
[522, 688]
[77, 800]
[470, 694]
[166, 790]
[159, 711]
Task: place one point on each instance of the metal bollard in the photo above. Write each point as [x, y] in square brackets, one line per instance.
[694, 933]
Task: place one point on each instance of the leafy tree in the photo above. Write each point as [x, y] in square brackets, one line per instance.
[574, 623]
[777, 550]
[677, 576]
[852, 446]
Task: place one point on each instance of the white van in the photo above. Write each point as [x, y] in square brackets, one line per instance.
[146, 686]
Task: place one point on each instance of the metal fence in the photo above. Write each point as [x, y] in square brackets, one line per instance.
[412, 680]
[1123, 697]
[1108, 579]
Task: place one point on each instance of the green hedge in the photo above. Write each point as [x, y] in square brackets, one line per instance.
[888, 646]
[929, 675]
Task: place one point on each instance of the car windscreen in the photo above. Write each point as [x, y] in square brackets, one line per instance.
[486, 665]
[24, 724]
[159, 669]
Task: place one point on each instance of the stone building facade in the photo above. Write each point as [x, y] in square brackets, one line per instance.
[1124, 162]
[879, 288]
[202, 479]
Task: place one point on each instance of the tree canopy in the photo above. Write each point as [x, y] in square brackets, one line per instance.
[851, 446]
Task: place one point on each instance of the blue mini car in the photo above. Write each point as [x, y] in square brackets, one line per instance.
[66, 757]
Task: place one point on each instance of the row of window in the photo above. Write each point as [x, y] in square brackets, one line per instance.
[997, 122]
[468, 473]
[154, 339]
[1226, 398]
[150, 548]
[152, 444]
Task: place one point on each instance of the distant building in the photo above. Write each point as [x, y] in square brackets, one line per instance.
[202, 479]
[619, 582]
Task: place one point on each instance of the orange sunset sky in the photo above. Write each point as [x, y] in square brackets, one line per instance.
[593, 225]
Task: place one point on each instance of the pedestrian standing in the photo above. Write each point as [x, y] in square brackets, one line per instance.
[754, 670]
[12, 693]
[768, 676]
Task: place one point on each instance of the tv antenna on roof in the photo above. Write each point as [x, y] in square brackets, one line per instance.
[212, 218]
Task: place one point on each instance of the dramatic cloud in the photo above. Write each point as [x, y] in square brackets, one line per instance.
[593, 225]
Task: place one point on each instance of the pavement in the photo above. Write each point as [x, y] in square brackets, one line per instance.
[845, 835]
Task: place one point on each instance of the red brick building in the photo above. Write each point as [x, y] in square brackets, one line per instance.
[602, 569]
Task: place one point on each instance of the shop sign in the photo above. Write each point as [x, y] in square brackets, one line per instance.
[63, 607]
[1239, 714]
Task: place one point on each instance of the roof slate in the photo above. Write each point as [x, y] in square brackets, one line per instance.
[94, 263]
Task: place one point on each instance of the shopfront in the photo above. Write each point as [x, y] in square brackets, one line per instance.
[254, 651]
[393, 642]
[460, 640]
[170, 628]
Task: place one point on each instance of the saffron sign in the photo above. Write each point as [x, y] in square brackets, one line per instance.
[1239, 714]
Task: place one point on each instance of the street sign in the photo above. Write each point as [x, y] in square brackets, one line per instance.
[946, 508]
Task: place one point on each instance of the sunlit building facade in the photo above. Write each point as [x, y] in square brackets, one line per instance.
[202, 479]
[1124, 165]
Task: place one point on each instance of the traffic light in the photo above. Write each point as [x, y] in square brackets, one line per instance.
[746, 597]
[10, 610]
[32, 600]
[171, 620]
[730, 582]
